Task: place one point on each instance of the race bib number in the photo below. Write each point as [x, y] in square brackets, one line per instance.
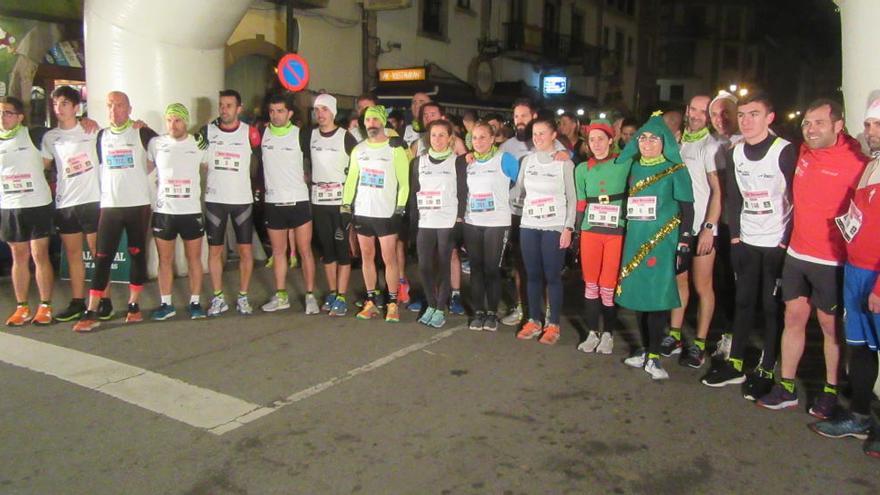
[225, 160]
[328, 192]
[599, 215]
[850, 222]
[642, 208]
[429, 200]
[178, 188]
[120, 159]
[18, 184]
[757, 203]
[543, 208]
[372, 177]
[77, 165]
[481, 202]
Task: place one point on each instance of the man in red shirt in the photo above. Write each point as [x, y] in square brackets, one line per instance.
[829, 166]
[860, 227]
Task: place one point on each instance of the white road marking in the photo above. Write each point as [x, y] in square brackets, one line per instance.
[176, 399]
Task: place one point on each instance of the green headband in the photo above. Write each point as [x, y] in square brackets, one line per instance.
[377, 112]
[178, 110]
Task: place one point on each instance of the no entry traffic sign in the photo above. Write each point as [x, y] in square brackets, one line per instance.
[293, 72]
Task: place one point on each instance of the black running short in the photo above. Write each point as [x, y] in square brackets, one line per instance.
[216, 216]
[78, 219]
[376, 227]
[26, 224]
[821, 284]
[188, 226]
[280, 216]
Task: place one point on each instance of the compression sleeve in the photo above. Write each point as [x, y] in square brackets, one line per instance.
[401, 170]
[570, 194]
[305, 142]
[580, 186]
[350, 143]
[461, 165]
[510, 166]
[351, 180]
[414, 188]
[733, 200]
[687, 219]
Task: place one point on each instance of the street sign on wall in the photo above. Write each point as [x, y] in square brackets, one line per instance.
[293, 72]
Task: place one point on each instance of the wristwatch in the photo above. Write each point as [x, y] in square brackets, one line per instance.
[709, 226]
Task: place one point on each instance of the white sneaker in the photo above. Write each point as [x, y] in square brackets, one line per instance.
[606, 343]
[590, 344]
[276, 303]
[218, 306]
[514, 318]
[653, 368]
[636, 360]
[243, 305]
[312, 307]
[722, 350]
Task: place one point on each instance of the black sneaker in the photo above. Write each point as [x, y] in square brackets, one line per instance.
[757, 385]
[74, 311]
[477, 321]
[105, 309]
[724, 374]
[490, 323]
[670, 346]
[693, 357]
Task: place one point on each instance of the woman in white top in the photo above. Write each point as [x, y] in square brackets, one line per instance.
[546, 187]
[434, 198]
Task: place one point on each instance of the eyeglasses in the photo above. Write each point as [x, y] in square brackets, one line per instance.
[644, 138]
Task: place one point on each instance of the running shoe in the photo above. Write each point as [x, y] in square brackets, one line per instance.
[606, 343]
[74, 311]
[591, 343]
[339, 308]
[270, 262]
[243, 306]
[218, 306]
[312, 305]
[21, 316]
[43, 316]
[476, 322]
[824, 406]
[466, 267]
[514, 318]
[455, 305]
[758, 384]
[693, 357]
[778, 398]
[415, 306]
[195, 311]
[105, 309]
[403, 292]
[847, 424]
[134, 314]
[490, 322]
[87, 323]
[438, 319]
[722, 375]
[294, 262]
[722, 350]
[368, 312]
[653, 368]
[530, 330]
[392, 314]
[670, 346]
[425, 319]
[637, 360]
[329, 299]
[277, 303]
[163, 312]
[550, 335]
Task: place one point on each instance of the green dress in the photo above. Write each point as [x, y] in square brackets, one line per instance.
[647, 270]
[605, 180]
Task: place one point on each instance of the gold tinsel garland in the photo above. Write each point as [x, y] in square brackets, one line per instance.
[646, 248]
[648, 181]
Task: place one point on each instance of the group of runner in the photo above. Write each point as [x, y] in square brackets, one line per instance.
[643, 205]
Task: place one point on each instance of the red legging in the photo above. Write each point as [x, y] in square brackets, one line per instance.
[600, 258]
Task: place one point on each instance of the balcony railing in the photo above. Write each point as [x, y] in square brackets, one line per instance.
[535, 42]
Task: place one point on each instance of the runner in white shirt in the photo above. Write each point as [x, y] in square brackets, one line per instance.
[228, 195]
[704, 157]
[78, 194]
[179, 159]
[287, 202]
[329, 151]
[416, 129]
[25, 213]
[125, 206]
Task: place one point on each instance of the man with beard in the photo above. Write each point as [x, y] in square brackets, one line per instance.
[700, 152]
[828, 170]
[415, 129]
[872, 128]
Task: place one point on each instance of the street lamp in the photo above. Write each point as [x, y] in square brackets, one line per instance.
[602, 115]
[560, 111]
[580, 111]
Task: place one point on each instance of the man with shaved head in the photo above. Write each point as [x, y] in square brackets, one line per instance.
[414, 130]
[700, 152]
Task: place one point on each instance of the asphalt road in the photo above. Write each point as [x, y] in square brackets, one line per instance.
[376, 408]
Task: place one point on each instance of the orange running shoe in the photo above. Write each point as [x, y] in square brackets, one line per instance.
[551, 334]
[392, 313]
[21, 316]
[87, 323]
[134, 317]
[529, 331]
[403, 292]
[43, 316]
[368, 312]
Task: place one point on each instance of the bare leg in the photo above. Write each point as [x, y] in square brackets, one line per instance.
[390, 256]
[831, 345]
[73, 248]
[307, 258]
[215, 266]
[44, 273]
[676, 316]
[193, 250]
[455, 270]
[165, 250]
[279, 239]
[245, 266]
[368, 260]
[21, 272]
[797, 313]
[702, 270]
